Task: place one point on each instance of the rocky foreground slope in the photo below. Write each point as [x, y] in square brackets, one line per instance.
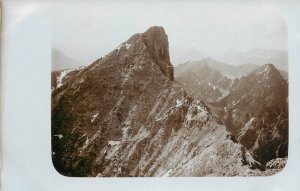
[124, 115]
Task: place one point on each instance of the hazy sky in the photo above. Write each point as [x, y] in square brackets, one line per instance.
[87, 30]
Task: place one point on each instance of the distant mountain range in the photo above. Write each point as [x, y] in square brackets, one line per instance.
[61, 61]
[278, 58]
[210, 80]
[227, 70]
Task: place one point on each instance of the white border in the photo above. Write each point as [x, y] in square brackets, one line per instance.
[26, 118]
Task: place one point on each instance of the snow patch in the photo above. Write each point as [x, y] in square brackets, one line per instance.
[127, 46]
[94, 117]
[250, 122]
[142, 133]
[179, 103]
[81, 80]
[114, 143]
[201, 114]
[167, 173]
[60, 136]
[119, 47]
[189, 117]
[246, 127]
[87, 141]
[250, 159]
[60, 78]
[125, 132]
[224, 93]
[99, 175]
[266, 68]
[234, 113]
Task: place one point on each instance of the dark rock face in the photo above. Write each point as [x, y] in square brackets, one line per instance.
[157, 45]
[125, 116]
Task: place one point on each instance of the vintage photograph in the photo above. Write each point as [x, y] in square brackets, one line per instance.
[169, 89]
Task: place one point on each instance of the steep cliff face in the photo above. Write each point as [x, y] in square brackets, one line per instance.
[157, 45]
[125, 116]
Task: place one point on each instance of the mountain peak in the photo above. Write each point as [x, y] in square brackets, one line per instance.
[205, 66]
[157, 45]
[208, 59]
[269, 69]
[269, 66]
[151, 45]
[155, 30]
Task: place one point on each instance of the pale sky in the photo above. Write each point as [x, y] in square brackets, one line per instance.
[87, 30]
[195, 29]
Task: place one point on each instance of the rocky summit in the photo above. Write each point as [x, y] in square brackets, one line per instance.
[125, 115]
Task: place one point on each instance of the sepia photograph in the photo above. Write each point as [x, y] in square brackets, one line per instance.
[169, 89]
